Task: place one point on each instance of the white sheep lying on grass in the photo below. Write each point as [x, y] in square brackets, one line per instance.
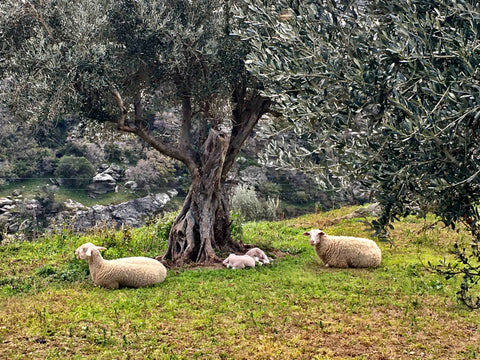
[258, 255]
[239, 261]
[345, 251]
[133, 272]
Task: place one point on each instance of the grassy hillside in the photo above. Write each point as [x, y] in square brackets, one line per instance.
[292, 309]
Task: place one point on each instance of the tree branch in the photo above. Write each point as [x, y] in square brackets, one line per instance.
[123, 113]
[185, 142]
[245, 116]
[139, 130]
[137, 104]
[40, 18]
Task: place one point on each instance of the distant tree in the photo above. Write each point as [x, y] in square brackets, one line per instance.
[124, 60]
[75, 172]
[394, 101]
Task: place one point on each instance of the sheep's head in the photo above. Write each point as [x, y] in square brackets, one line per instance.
[226, 262]
[85, 251]
[315, 236]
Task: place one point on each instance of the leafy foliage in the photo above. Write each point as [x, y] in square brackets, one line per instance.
[249, 207]
[387, 92]
[129, 61]
[75, 171]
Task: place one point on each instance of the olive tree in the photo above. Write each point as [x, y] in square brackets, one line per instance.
[393, 101]
[122, 61]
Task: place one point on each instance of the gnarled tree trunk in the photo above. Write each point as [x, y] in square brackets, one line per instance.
[204, 223]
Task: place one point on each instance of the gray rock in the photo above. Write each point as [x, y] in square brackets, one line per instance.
[79, 217]
[6, 201]
[7, 208]
[71, 205]
[115, 171]
[133, 213]
[132, 185]
[253, 175]
[102, 183]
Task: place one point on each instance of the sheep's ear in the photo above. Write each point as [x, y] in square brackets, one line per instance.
[306, 233]
[100, 248]
[321, 233]
[88, 252]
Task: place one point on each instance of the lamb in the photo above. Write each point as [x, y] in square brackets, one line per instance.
[239, 261]
[345, 251]
[258, 255]
[133, 272]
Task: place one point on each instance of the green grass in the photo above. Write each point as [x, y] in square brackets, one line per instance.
[31, 188]
[292, 309]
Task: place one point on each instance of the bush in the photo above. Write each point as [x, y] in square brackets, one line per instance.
[245, 203]
[270, 188]
[113, 153]
[46, 199]
[76, 172]
[154, 171]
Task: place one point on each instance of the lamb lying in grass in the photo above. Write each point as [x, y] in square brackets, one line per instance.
[345, 251]
[239, 261]
[248, 260]
[258, 255]
[126, 272]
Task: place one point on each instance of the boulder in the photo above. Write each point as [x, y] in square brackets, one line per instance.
[132, 185]
[102, 183]
[71, 205]
[115, 171]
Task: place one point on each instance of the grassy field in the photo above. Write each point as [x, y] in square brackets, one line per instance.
[32, 188]
[294, 308]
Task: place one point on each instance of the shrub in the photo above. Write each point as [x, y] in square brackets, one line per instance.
[74, 148]
[270, 188]
[113, 153]
[143, 174]
[46, 199]
[76, 172]
[246, 203]
[154, 171]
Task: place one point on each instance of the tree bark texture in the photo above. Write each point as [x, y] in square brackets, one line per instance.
[203, 225]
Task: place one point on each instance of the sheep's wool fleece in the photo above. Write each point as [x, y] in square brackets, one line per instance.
[345, 251]
[131, 272]
[239, 261]
[125, 272]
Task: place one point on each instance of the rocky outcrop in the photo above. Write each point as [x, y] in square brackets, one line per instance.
[19, 218]
[16, 216]
[133, 213]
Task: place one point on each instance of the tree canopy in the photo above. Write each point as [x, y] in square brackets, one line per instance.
[394, 89]
[126, 61]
